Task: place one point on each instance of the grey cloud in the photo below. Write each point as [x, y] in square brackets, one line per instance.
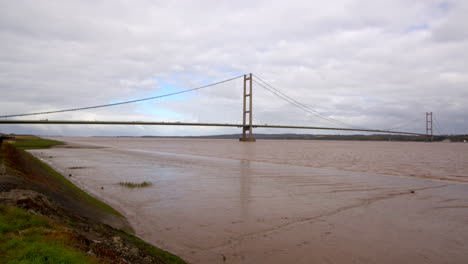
[369, 63]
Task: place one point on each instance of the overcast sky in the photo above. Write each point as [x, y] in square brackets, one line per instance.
[374, 64]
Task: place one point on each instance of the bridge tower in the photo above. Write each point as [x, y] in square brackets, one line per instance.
[429, 134]
[247, 134]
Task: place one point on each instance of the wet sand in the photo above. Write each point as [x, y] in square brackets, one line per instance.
[240, 203]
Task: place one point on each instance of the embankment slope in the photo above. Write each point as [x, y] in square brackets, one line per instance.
[95, 228]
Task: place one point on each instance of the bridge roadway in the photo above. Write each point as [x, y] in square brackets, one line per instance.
[71, 122]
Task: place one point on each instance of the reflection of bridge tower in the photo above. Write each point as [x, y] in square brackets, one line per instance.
[247, 134]
[245, 184]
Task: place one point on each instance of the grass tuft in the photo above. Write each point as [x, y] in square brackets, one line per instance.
[132, 185]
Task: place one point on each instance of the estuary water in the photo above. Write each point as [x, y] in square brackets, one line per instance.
[225, 201]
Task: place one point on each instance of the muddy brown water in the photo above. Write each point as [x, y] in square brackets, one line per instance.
[223, 201]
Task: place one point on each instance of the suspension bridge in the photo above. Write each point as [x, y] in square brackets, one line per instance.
[246, 126]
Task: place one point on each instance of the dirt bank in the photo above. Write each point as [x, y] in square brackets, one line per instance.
[96, 229]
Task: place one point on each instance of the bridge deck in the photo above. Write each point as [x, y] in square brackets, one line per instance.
[145, 123]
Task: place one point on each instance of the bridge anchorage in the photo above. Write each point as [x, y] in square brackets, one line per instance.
[247, 134]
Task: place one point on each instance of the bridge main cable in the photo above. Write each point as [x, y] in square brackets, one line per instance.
[121, 103]
[298, 104]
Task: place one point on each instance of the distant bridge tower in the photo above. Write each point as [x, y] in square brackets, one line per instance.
[247, 134]
[429, 134]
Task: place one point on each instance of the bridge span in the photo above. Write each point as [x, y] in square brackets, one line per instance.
[247, 117]
[147, 123]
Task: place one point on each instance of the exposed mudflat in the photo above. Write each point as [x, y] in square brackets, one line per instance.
[216, 201]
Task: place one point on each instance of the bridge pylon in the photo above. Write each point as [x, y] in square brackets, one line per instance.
[247, 134]
[429, 134]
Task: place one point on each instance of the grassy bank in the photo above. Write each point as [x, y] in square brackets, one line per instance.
[27, 238]
[29, 142]
[62, 223]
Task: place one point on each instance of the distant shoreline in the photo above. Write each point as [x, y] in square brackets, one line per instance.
[357, 137]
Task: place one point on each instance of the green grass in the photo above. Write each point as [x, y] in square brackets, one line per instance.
[35, 143]
[13, 219]
[135, 185]
[27, 238]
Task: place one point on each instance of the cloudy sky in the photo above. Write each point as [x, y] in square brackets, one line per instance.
[369, 63]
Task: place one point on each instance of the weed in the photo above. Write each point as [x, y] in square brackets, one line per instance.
[135, 185]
